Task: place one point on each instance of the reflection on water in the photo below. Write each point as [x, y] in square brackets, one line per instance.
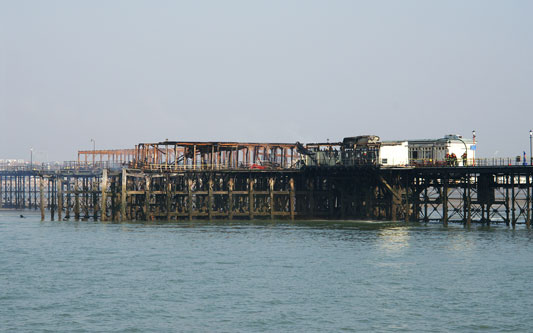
[393, 240]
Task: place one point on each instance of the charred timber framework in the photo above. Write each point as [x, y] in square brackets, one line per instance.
[459, 195]
[175, 155]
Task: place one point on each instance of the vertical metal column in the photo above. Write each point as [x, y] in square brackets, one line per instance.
[528, 200]
[444, 194]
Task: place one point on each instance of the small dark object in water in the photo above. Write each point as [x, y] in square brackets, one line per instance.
[21, 216]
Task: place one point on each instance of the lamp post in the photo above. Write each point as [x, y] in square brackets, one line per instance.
[31, 158]
[94, 148]
[466, 151]
[530, 150]
[475, 148]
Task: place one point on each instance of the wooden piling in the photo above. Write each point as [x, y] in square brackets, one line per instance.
[513, 202]
[59, 198]
[189, 198]
[210, 198]
[147, 195]
[271, 194]
[251, 197]
[292, 198]
[41, 192]
[123, 195]
[230, 198]
[103, 200]
[76, 200]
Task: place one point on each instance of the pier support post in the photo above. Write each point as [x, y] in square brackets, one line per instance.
[407, 208]
[95, 200]
[513, 202]
[528, 200]
[230, 198]
[168, 197]
[189, 198]
[52, 199]
[292, 197]
[468, 202]
[311, 195]
[210, 198]
[251, 197]
[445, 202]
[123, 195]
[103, 201]
[271, 193]
[59, 198]
[76, 201]
[147, 195]
[41, 193]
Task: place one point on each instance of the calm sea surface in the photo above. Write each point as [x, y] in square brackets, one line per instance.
[262, 276]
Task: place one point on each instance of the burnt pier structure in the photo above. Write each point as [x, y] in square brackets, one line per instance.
[183, 181]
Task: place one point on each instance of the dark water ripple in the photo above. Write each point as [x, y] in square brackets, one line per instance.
[302, 277]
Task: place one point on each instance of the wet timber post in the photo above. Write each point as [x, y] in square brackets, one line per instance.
[168, 193]
[292, 198]
[123, 195]
[59, 198]
[210, 197]
[147, 195]
[230, 198]
[103, 202]
[76, 200]
[189, 198]
[271, 194]
[513, 200]
[445, 202]
[251, 198]
[41, 192]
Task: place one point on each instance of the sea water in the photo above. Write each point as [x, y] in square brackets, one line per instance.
[262, 276]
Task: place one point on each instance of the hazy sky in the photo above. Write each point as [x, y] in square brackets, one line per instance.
[124, 72]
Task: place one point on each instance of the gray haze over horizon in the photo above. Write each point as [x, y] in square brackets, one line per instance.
[124, 72]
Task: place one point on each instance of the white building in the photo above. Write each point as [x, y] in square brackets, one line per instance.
[394, 153]
[427, 152]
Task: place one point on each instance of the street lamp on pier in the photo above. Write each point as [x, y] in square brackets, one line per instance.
[31, 158]
[475, 148]
[530, 150]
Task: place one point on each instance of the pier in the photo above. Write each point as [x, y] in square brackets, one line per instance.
[446, 195]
